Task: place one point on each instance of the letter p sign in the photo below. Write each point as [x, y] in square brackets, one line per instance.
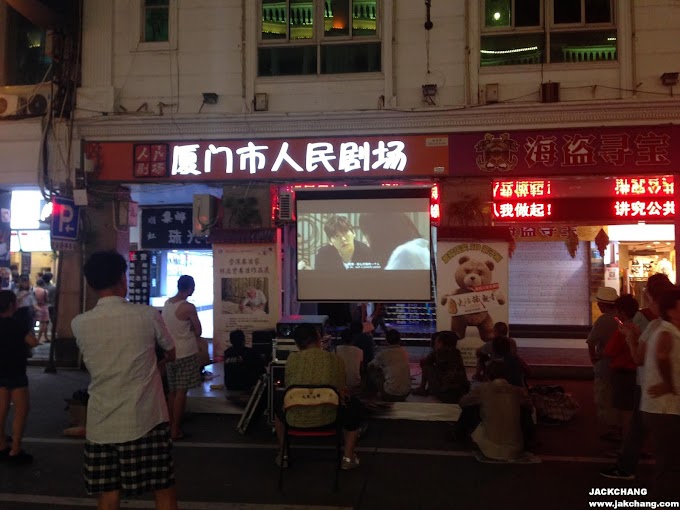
[64, 219]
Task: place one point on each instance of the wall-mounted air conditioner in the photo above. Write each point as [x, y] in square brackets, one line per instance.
[26, 100]
[11, 104]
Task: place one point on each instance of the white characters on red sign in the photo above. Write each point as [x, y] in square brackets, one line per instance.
[652, 149]
[354, 156]
[614, 148]
[579, 150]
[251, 157]
[184, 160]
[321, 152]
[228, 155]
[542, 149]
[393, 159]
[284, 156]
[625, 208]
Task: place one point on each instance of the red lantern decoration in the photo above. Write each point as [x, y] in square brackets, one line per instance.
[572, 243]
[601, 241]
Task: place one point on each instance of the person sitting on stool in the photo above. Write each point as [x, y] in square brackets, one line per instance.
[242, 367]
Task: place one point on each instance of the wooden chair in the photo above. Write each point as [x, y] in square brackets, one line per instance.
[307, 397]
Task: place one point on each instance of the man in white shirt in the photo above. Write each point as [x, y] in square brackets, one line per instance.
[660, 396]
[184, 373]
[128, 444]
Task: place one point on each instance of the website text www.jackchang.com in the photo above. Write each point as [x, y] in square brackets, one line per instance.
[627, 503]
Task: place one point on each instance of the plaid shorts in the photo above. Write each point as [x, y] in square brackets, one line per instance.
[184, 373]
[135, 467]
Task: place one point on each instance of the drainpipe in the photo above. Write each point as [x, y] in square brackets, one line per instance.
[466, 71]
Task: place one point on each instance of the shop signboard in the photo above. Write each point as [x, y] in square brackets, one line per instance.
[247, 290]
[609, 200]
[169, 228]
[141, 270]
[579, 151]
[389, 156]
[472, 291]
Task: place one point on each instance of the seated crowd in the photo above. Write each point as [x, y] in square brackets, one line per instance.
[496, 408]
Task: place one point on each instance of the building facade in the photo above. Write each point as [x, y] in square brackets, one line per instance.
[180, 74]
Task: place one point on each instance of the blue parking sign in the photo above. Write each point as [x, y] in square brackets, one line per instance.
[65, 219]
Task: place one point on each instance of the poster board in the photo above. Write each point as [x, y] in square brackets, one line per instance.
[247, 290]
[472, 291]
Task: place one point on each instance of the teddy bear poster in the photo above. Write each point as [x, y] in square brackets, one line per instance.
[472, 290]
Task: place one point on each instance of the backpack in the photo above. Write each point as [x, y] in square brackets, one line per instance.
[553, 404]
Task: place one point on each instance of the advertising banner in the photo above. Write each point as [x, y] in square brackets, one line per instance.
[247, 291]
[169, 228]
[5, 236]
[472, 290]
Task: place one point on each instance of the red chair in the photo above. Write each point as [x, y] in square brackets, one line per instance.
[308, 397]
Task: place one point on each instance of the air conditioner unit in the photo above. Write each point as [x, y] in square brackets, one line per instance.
[286, 206]
[11, 104]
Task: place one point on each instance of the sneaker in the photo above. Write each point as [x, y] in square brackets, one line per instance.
[20, 458]
[281, 459]
[617, 474]
[349, 464]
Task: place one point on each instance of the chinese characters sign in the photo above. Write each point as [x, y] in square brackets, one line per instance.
[322, 158]
[247, 295]
[622, 150]
[142, 268]
[169, 228]
[636, 187]
[614, 210]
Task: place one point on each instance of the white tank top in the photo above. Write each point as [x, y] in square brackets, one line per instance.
[185, 339]
[669, 403]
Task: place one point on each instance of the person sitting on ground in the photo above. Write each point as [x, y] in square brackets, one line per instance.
[242, 367]
[499, 433]
[389, 371]
[485, 352]
[363, 341]
[353, 357]
[312, 365]
[14, 339]
[444, 375]
[623, 367]
[502, 351]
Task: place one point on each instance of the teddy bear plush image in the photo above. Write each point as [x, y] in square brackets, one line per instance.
[471, 273]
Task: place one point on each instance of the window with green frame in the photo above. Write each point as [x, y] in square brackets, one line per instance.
[156, 21]
[516, 32]
[308, 37]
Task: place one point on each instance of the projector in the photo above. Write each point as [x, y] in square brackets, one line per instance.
[288, 323]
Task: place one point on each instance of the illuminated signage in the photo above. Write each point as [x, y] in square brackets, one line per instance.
[295, 159]
[524, 189]
[626, 150]
[586, 210]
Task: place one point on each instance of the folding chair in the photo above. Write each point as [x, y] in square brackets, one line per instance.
[307, 397]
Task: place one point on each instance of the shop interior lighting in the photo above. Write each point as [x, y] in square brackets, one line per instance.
[505, 52]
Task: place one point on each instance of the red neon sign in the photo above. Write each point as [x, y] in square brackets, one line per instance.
[522, 211]
[435, 211]
[644, 208]
[547, 189]
[518, 190]
[644, 186]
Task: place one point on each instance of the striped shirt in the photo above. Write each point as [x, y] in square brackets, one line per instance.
[117, 340]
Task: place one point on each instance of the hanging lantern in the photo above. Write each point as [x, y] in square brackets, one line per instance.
[572, 243]
[601, 241]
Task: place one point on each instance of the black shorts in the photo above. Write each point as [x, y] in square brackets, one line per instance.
[14, 382]
[135, 467]
[623, 389]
